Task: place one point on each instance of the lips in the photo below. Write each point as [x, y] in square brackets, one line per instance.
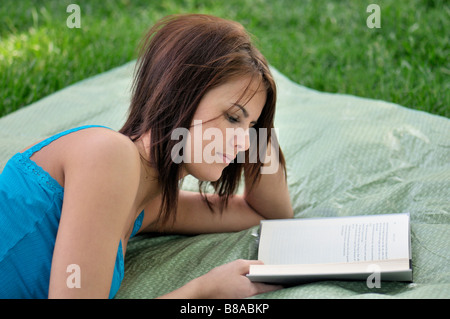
[226, 158]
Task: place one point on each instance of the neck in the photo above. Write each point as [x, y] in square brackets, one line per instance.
[143, 145]
[149, 186]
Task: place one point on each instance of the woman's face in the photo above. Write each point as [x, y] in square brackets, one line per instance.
[220, 128]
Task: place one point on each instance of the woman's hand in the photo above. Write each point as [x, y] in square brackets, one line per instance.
[227, 281]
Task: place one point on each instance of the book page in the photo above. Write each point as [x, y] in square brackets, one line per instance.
[332, 240]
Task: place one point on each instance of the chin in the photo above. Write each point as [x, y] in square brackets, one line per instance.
[207, 173]
[210, 176]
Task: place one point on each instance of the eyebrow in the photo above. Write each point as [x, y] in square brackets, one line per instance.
[242, 109]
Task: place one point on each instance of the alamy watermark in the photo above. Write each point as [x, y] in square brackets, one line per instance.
[74, 19]
[223, 152]
[374, 279]
[74, 279]
[374, 19]
[216, 152]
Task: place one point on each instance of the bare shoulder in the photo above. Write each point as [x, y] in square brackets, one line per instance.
[101, 168]
[83, 149]
[101, 151]
[98, 143]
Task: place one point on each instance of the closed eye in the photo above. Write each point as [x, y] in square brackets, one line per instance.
[232, 119]
[244, 111]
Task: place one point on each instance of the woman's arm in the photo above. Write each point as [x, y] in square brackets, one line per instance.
[269, 197]
[194, 216]
[99, 192]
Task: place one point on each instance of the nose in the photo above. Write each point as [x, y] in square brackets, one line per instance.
[241, 140]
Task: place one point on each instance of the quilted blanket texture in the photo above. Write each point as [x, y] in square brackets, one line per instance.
[345, 156]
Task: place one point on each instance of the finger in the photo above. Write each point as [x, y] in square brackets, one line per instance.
[245, 265]
[263, 288]
[256, 262]
[250, 261]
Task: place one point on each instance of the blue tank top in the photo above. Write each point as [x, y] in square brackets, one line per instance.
[30, 210]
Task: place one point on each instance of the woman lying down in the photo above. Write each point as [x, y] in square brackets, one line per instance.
[203, 104]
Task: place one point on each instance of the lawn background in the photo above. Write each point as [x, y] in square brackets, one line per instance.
[322, 44]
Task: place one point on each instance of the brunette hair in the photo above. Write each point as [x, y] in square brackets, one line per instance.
[181, 58]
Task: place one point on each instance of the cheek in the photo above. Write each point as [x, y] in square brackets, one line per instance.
[214, 139]
[203, 142]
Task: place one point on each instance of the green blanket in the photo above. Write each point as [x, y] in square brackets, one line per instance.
[345, 155]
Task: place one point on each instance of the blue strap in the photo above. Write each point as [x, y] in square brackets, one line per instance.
[137, 224]
[47, 141]
[119, 268]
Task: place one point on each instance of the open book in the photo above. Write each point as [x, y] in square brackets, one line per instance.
[335, 248]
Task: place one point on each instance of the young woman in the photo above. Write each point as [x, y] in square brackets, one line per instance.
[71, 202]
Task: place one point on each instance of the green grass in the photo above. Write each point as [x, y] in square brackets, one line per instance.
[321, 44]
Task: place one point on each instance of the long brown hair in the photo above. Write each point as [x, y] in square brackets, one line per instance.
[181, 58]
